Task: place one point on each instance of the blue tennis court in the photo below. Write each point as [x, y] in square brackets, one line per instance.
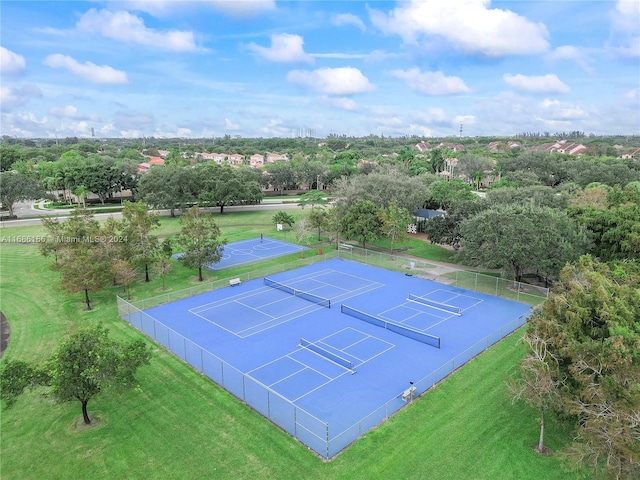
[330, 350]
[251, 250]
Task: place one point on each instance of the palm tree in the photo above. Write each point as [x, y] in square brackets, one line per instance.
[81, 193]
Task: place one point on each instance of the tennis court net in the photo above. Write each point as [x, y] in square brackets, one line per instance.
[394, 327]
[310, 297]
[432, 303]
[327, 354]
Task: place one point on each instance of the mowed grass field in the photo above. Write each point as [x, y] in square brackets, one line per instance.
[180, 425]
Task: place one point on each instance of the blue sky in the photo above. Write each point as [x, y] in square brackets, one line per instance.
[271, 68]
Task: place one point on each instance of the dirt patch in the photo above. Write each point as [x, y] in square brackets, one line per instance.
[546, 451]
[97, 421]
[5, 333]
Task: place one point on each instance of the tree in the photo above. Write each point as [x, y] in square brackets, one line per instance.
[15, 377]
[281, 176]
[124, 273]
[85, 363]
[437, 161]
[99, 176]
[81, 192]
[163, 263]
[444, 193]
[394, 223]
[169, 187]
[313, 198]
[302, 232]
[445, 229]
[591, 326]
[283, 218]
[113, 245]
[317, 218]
[9, 154]
[522, 238]
[138, 222]
[80, 260]
[381, 187]
[361, 222]
[224, 185]
[16, 187]
[537, 385]
[199, 240]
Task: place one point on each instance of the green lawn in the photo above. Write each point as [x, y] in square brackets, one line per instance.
[180, 425]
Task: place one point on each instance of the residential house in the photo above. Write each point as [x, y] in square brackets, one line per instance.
[452, 146]
[633, 153]
[562, 147]
[235, 159]
[496, 147]
[256, 160]
[422, 147]
[145, 166]
[277, 157]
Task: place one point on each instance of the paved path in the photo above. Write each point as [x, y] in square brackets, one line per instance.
[29, 214]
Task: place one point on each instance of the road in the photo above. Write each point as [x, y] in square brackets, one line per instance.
[29, 215]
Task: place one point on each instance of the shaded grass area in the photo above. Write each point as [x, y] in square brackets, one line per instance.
[179, 424]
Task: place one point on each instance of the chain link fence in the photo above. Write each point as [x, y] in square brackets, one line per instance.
[297, 422]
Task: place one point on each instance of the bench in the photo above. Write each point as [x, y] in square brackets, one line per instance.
[234, 281]
[408, 393]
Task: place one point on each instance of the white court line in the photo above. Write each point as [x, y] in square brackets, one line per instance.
[311, 307]
[320, 386]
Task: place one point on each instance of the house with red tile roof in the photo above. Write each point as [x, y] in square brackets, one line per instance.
[256, 160]
[633, 153]
[422, 147]
[235, 159]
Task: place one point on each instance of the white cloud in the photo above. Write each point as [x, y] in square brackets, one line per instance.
[274, 128]
[348, 19]
[166, 8]
[244, 8]
[229, 125]
[573, 54]
[339, 102]
[432, 115]
[108, 129]
[332, 81]
[285, 48]
[556, 110]
[540, 83]
[89, 71]
[125, 27]
[11, 98]
[468, 25]
[10, 62]
[625, 19]
[464, 120]
[633, 96]
[70, 111]
[431, 83]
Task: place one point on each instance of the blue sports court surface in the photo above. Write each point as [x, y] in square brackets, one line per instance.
[252, 250]
[330, 350]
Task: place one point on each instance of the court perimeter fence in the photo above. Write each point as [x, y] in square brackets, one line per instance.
[478, 282]
[313, 432]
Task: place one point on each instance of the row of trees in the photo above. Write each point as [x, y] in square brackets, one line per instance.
[583, 363]
[90, 255]
[538, 229]
[208, 185]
